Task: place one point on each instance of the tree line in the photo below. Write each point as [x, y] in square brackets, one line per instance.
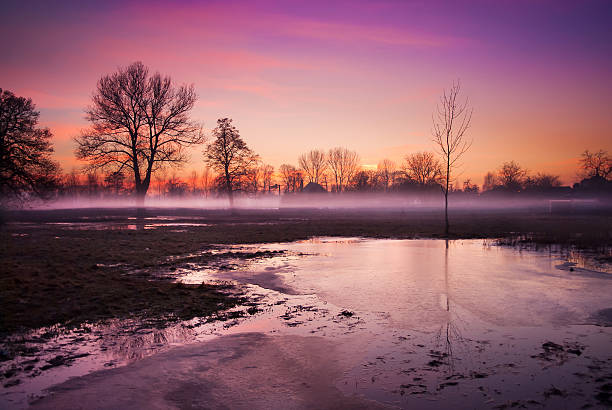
[140, 126]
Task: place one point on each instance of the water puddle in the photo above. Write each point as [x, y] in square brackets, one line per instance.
[418, 323]
[98, 226]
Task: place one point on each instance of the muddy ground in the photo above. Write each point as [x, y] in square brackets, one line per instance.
[78, 265]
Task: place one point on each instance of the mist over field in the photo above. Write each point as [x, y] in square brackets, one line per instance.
[365, 201]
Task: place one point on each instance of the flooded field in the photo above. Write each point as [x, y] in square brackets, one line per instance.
[405, 323]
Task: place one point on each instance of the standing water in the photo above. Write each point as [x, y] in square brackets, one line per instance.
[408, 323]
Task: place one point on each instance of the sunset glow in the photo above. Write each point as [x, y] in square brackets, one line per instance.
[296, 76]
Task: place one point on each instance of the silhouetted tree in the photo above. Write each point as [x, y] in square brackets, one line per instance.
[25, 149]
[160, 180]
[230, 156]
[267, 171]
[71, 183]
[114, 181]
[344, 164]
[541, 181]
[139, 122]
[423, 168]
[314, 165]
[386, 173]
[511, 176]
[366, 180]
[490, 181]
[596, 164]
[175, 187]
[206, 180]
[192, 181]
[291, 177]
[451, 121]
[93, 184]
[469, 187]
[252, 178]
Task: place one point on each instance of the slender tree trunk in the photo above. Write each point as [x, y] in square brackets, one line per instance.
[446, 198]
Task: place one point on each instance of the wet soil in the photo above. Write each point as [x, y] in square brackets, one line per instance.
[60, 269]
[69, 265]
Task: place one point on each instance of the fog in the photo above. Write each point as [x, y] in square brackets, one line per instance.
[369, 201]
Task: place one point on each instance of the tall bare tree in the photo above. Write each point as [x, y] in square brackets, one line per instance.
[344, 164]
[140, 121]
[596, 164]
[314, 165]
[206, 180]
[25, 150]
[423, 168]
[451, 120]
[230, 156]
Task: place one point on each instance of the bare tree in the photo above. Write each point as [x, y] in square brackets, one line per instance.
[386, 172]
[193, 181]
[542, 181]
[451, 120]
[253, 178]
[267, 171]
[160, 180]
[314, 165]
[291, 177]
[344, 164]
[93, 184]
[139, 122]
[423, 168]
[206, 180]
[25, 149]
[490, 181]
[596, 164]
[72, 183]
[366, 180]
[468, 186]
[114, 182]
[175, 187]
[230, 156]
[511, 176]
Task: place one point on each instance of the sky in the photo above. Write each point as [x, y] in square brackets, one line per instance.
[302, 75]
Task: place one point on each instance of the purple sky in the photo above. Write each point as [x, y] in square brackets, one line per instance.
[365, 75]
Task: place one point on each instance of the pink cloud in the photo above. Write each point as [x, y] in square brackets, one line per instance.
[344, 32]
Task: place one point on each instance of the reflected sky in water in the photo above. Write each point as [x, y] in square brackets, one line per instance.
[420, 322]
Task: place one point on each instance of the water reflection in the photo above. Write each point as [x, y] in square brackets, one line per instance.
[454, 321]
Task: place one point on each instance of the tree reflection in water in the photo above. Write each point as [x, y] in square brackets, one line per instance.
[448, 336]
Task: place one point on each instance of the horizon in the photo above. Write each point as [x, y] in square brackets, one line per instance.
[366, 76]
